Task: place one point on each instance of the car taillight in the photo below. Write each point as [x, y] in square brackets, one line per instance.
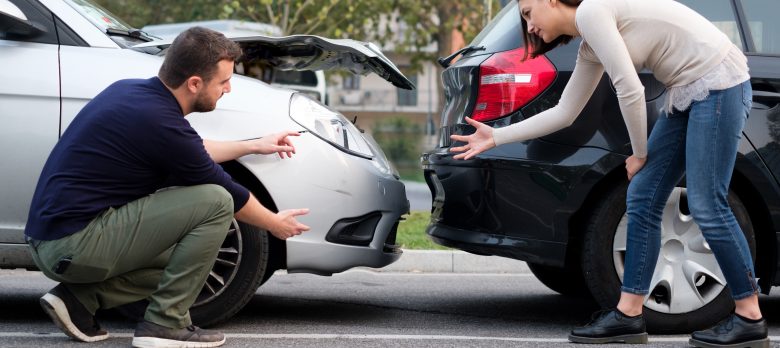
[506, 83]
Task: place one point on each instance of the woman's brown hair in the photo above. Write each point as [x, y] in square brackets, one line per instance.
[535, 43]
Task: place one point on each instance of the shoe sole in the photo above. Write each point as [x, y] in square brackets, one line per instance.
[55, 308]
[762, 343]
[154, 342]
[630, 339]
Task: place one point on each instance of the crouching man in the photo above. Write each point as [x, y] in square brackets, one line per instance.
[99, 223]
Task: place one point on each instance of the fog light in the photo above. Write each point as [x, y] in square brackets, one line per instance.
[354, 231]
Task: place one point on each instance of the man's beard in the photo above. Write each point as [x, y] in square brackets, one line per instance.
[202, 104]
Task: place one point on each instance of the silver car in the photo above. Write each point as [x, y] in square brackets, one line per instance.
[55, 55]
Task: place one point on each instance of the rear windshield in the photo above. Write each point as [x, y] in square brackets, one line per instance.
[502, 33]
[292, 77]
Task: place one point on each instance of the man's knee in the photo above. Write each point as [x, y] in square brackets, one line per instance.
[219, 196]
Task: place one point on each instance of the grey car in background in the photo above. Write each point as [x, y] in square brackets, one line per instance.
[56, 55]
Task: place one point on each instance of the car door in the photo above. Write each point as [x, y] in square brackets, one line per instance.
[759, 18]
[29, 112]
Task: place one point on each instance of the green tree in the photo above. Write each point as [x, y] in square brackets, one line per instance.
[354, 19]
[142, 12]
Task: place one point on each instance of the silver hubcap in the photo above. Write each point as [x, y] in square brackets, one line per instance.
[225, 267]
[687, 276]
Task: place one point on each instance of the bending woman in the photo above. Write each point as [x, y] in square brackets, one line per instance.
[709, 98]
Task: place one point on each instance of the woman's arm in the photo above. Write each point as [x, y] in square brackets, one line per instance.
[576, 94]
[598, 26]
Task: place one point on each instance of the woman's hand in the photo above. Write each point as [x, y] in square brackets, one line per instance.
[634, 165]
[480, 141]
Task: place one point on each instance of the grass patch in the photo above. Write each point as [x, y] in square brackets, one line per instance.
[411, 173]
[411, 232]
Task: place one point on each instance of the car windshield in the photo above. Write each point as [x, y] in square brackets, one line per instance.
[119, 31]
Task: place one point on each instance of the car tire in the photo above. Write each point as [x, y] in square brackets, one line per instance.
[602, 271]
[240, 268]
[567, 281]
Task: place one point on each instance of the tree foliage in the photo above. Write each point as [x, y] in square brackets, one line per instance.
[142, 12]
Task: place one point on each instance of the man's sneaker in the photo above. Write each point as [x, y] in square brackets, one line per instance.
[611, 326]
[734, 331]
[151, 335]
[71, 316]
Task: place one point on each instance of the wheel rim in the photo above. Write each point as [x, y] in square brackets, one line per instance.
[225, 267]
[687, 276]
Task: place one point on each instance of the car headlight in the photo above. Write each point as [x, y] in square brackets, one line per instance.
[335, 129]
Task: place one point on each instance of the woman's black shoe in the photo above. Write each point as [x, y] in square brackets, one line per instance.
[734, 331]
[611, 326]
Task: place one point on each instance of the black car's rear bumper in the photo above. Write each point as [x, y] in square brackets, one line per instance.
[517, 207]
[534, 251]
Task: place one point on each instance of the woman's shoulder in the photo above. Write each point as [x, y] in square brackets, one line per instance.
[590, 7]
[594, 13]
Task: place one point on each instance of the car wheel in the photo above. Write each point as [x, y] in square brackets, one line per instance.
[567, 281]
[688, 291]
[237, 273]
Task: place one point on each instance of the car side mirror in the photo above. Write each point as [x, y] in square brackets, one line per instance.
[12, 26]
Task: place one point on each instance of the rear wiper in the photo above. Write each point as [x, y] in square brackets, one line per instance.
[134, 33]
[445, 61]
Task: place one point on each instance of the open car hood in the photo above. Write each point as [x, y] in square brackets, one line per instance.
[309, 52]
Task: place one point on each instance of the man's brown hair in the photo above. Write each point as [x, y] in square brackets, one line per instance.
[535, 44]
[196, 52]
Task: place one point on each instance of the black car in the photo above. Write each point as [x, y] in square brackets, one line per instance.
[558, 202]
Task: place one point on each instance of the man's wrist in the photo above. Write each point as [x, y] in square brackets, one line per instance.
[250, 147]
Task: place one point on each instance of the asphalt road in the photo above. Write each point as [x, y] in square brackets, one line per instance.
[358, 309]
[419, 195]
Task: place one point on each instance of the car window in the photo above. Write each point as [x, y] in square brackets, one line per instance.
[720, 13]
[763, 24]
[34, 12]
[292, 77]
[502, 33]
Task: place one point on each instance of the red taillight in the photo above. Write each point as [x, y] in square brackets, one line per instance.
[506, 83]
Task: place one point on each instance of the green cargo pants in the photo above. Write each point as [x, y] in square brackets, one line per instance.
[159, 247]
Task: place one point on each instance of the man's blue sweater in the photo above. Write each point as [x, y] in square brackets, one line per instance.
[128, 142]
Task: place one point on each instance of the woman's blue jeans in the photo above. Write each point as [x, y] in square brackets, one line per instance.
[700, 143]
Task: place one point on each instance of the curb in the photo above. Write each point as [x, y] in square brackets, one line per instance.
[453, 261]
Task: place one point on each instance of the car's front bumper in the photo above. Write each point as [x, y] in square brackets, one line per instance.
[385, 204]
[354, 208]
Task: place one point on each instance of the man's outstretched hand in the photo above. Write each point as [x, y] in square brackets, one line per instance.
[275, 143]
[287, 226]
